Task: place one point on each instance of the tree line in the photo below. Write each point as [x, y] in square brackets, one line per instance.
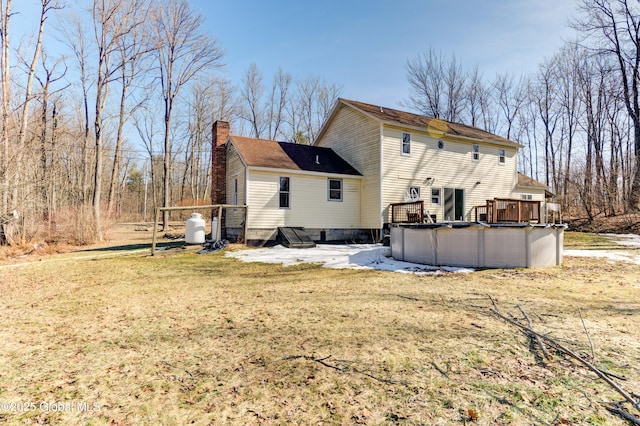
[577, 116]
[115, 119]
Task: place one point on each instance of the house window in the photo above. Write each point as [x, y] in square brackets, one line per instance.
[406, 143]
[414, 193]
[285, 191]
[502, 156]
[476, 152]
[335, 189]
[440, 145]
[526, 196]
[235, 191]
[435, 196]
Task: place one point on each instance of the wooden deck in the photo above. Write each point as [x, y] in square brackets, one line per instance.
[410, 212]
[498, 210]
[506, 210]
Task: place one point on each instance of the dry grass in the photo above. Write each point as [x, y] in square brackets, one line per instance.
[183, 338]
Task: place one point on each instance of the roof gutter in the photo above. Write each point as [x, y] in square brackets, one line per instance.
[303, 172]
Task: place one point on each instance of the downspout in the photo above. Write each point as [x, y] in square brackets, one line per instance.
[246, 202]
[381, 209]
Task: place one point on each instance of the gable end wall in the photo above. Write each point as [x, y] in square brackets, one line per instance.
[356, 138]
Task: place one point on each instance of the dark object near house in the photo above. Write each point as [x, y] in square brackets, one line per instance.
[294, 238]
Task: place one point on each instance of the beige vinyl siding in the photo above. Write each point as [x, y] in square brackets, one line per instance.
[235, 170]
[309, 204]
[536, 194]
[356, 138]
[451, 167]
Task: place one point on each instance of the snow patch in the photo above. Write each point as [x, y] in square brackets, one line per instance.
[349, 256]
[628, 240]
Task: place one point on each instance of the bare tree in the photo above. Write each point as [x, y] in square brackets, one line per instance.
[545, 96]
[278, 98]
[74, 34]
[48, 138]
[112, 21]
[426, 75]
[46, 7]
[568, 62]
[509, 97]
[474, 94]
[455, 82]
[225, 103]
[196, 167]
[5, 18]
[310, 106]
[145, 123]
[614, 25]
[437, 86]
[133, 47]
[251, 93]
[184, 52]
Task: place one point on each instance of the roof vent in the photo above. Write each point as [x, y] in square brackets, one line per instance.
[317, 159]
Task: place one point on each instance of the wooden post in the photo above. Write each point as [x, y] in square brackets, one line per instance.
[155, 231]
[246, 224]
[219, 231]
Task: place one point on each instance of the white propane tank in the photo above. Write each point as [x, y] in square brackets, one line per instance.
[194, 234]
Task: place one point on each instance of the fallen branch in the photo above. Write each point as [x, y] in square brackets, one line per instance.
[558, 346]
[593, 355]
[411, 298]
[617, 409]
[547, 355]
[344, 369]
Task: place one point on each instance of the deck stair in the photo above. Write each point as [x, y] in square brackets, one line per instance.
[295, 238]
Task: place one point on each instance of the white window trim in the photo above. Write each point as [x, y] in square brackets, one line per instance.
[439, 197]
[329, 190]
[475, 152]
[403, 144]
[235, 191]
[284, 192]
[502, 156]
[414, 193]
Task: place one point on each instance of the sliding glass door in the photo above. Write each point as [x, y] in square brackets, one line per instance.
[453, 204]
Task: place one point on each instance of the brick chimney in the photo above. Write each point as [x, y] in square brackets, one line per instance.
[219, 162]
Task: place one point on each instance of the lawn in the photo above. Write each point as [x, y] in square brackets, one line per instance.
[182, 338]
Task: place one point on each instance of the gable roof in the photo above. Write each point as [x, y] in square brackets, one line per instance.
[526, 181]
[422, 122]
[290, 156]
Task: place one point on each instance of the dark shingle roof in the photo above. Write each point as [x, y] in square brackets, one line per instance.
[317, 159]
[389, 115]
[284, 155]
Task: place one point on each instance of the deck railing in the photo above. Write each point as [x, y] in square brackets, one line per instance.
[504, 210]
[410, 212]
